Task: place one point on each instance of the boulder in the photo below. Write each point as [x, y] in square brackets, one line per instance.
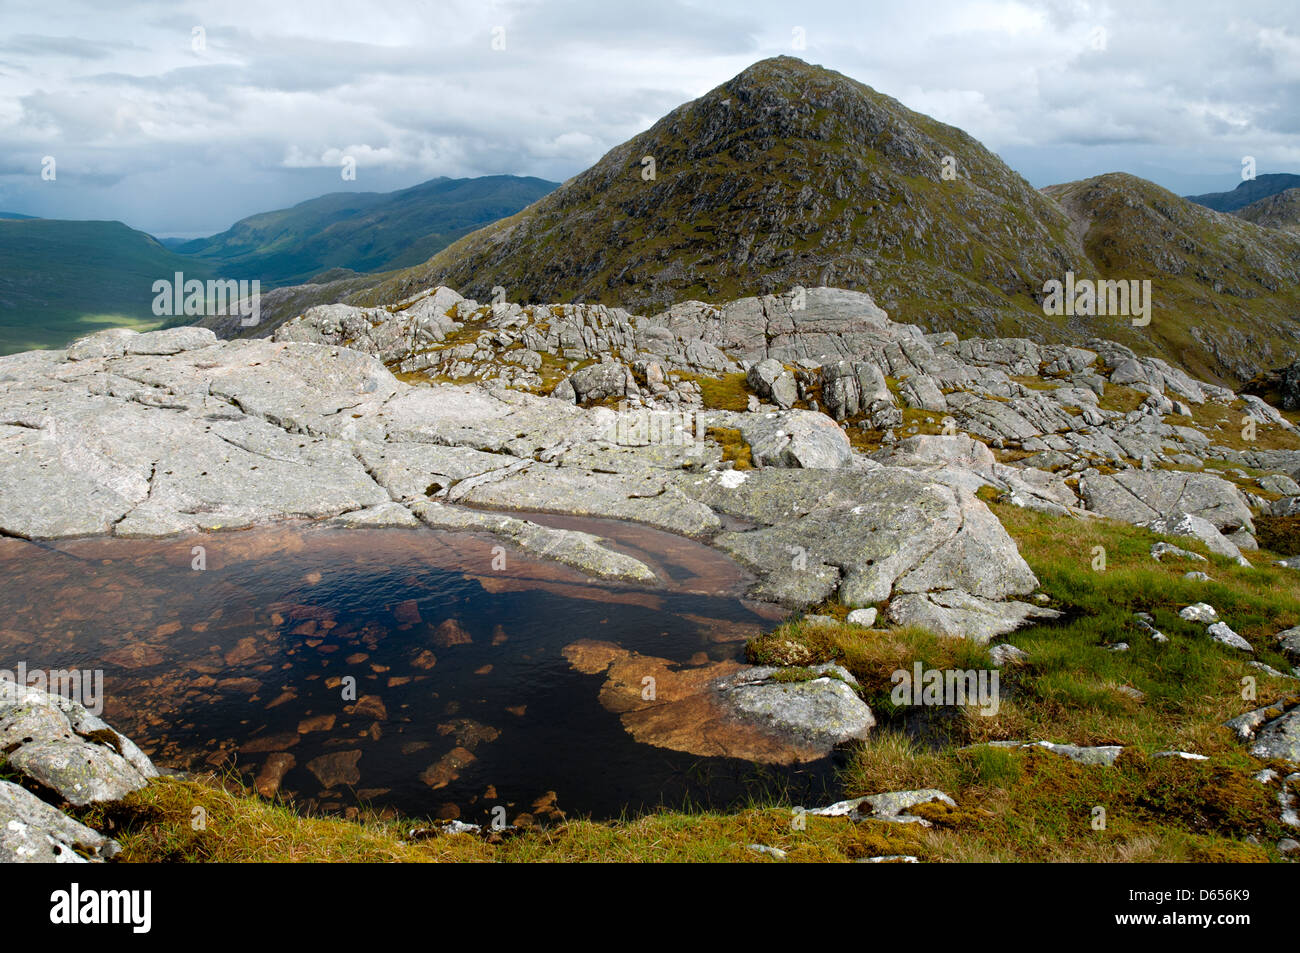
[1137, 496]
[771, 381]
[796, 438]
[1196, 527]
[603, 381]
[33, 832]
[867, 537]
[821, 712]
[1279, 738]
[56, 743]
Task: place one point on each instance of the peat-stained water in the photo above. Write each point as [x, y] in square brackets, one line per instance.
[463, 700]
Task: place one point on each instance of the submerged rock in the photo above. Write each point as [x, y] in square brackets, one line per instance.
[725, 709]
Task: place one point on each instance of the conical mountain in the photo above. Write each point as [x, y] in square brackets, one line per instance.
[787, 174]
[794, 174]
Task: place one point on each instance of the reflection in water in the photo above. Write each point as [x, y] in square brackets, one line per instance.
[392, 667]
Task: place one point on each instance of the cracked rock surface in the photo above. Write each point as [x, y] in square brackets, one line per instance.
[134, 436]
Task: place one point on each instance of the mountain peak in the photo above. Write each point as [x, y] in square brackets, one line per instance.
[788, 173]
[793, 174]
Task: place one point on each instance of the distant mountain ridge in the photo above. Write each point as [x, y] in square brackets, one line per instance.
[1252, 190]
[362, 231]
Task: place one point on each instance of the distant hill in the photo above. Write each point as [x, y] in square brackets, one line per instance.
[60, 279]
[1260, 187]
[1277, 211]
[1226, 292]
[15, 216]
[790, 174]
[361, 231]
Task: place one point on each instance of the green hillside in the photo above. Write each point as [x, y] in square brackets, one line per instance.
[60, 279]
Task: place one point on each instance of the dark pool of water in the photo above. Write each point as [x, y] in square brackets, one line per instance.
[465, 700]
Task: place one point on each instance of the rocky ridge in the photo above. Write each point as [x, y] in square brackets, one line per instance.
[793, 174]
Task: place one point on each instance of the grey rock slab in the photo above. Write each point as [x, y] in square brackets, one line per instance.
[820, 712]
[581, 551]
[383, 516]
[170, 341]
[111, 342]
[33, 832]
[56, 486]
[931, 449]
[302, 388]
[981, 559]
[962, 615]
[1196, 527]
[872, 542]
[410, 471]
[643, 497]
[883, 532]
[1222, 634]
[1246, 724]
[889, 806]
[1104, 755]
[496, 420]
[1137, 496]
[1279, 738]
[1160, 550]
[1289, 642]
[794, 438]
[239, 472]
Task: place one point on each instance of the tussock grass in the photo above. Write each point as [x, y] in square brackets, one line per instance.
[154, 825]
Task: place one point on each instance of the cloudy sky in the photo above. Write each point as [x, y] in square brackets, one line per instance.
[181, 117]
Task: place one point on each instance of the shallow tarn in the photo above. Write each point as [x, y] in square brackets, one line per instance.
[464, 700]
